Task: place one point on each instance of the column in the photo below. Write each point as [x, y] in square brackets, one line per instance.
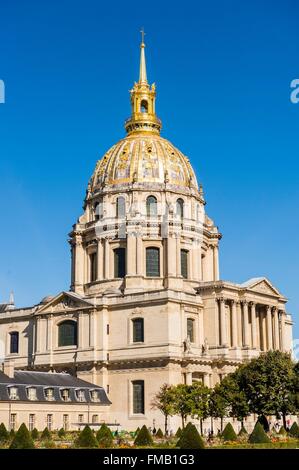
[246, 324]
[269, 327]
[239, 323]
[206, 379]
[188, 378]
[223, 331]
[131, 255]
[253, 325]
[234, 324]
[216, 263]
[91, 329]
[178, 256]
[282, 331]
[80, 330]
[100, 259]
[171, 259]
[139, 249]
[276, 329]
[79, 264]
[106, 251]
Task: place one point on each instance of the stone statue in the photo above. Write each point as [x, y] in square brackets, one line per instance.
[187, 345]
[205, 346]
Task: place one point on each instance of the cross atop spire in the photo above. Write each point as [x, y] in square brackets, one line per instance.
[142, 69]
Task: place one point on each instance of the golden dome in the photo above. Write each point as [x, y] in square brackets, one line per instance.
[144, 158]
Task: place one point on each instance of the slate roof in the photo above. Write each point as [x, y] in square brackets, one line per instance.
[43, 380]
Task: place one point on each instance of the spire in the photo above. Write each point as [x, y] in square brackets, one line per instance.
[143, 97]
[142, 68]
[11, 298]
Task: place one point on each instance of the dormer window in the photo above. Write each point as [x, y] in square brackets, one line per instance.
[49, 392]
[31, 393]
[65, 394]
[94, 394]
[13, 393]
[80, 395]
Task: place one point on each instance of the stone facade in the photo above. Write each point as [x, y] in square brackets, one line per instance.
[145, 249]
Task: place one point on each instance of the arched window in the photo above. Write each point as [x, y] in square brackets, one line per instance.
[144, 106]
[67, 333]
[138, 330]
[121, 207]
[119, 262]
[180, 208]
[184, 263]
[14, 342]
[151, 206]
[153, 262]
[98, 210]
[190, 329]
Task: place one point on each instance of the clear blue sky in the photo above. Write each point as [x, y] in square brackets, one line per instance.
[223, 71]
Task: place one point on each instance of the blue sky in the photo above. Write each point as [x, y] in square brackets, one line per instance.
[223, 73]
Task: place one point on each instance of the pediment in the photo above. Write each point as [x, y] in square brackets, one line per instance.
[263, 286]
[63, 302]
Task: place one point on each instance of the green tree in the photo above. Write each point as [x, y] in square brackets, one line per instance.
[22, 439]
[190, 438]
[61, 433]
[86, 439]
[159, 433]
[183, 401]
[237, 401]
[143, 438]
[104, 436]
[199, 397]
[4, 434]
[164, 402]
[268, 384]
[218, 405]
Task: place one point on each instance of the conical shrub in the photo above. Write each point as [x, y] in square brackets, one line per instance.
[190, 438]
[282, 431]
[86, 439]
[242, 432]
[61, 433]
[22, 439]
[229, 433]
[258, 435]
[294, 431]
[46, 435]
[159, 433]
[12, 433]
[34, 434]
[104, 436]
[144, 437]
[4, 434]
[178, 433]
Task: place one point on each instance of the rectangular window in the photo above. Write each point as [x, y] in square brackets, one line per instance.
[108, 330]
[138, 396]
[65, 394]
[94, 395]
[80, 419]
[32, 393]
[49, 394]
[50, 422]
[80, 395]
[152, 262]
[119, 262]
[31, 422]
[13, 421]
[14, 342]
[138, 330]
[95, 419]
[184, 263]
[93, 266]
[65, 422]
[190, 329]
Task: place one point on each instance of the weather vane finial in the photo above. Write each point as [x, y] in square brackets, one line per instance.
[142, 35]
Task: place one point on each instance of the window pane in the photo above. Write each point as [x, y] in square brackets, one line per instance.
[14, 342]
[184, 263]
[119, 262]
[67, 333]
[138, 330]
[180, 208]
[152, 262]
[138, 396]
[93, 267]
[151, 206]
[190, 329]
